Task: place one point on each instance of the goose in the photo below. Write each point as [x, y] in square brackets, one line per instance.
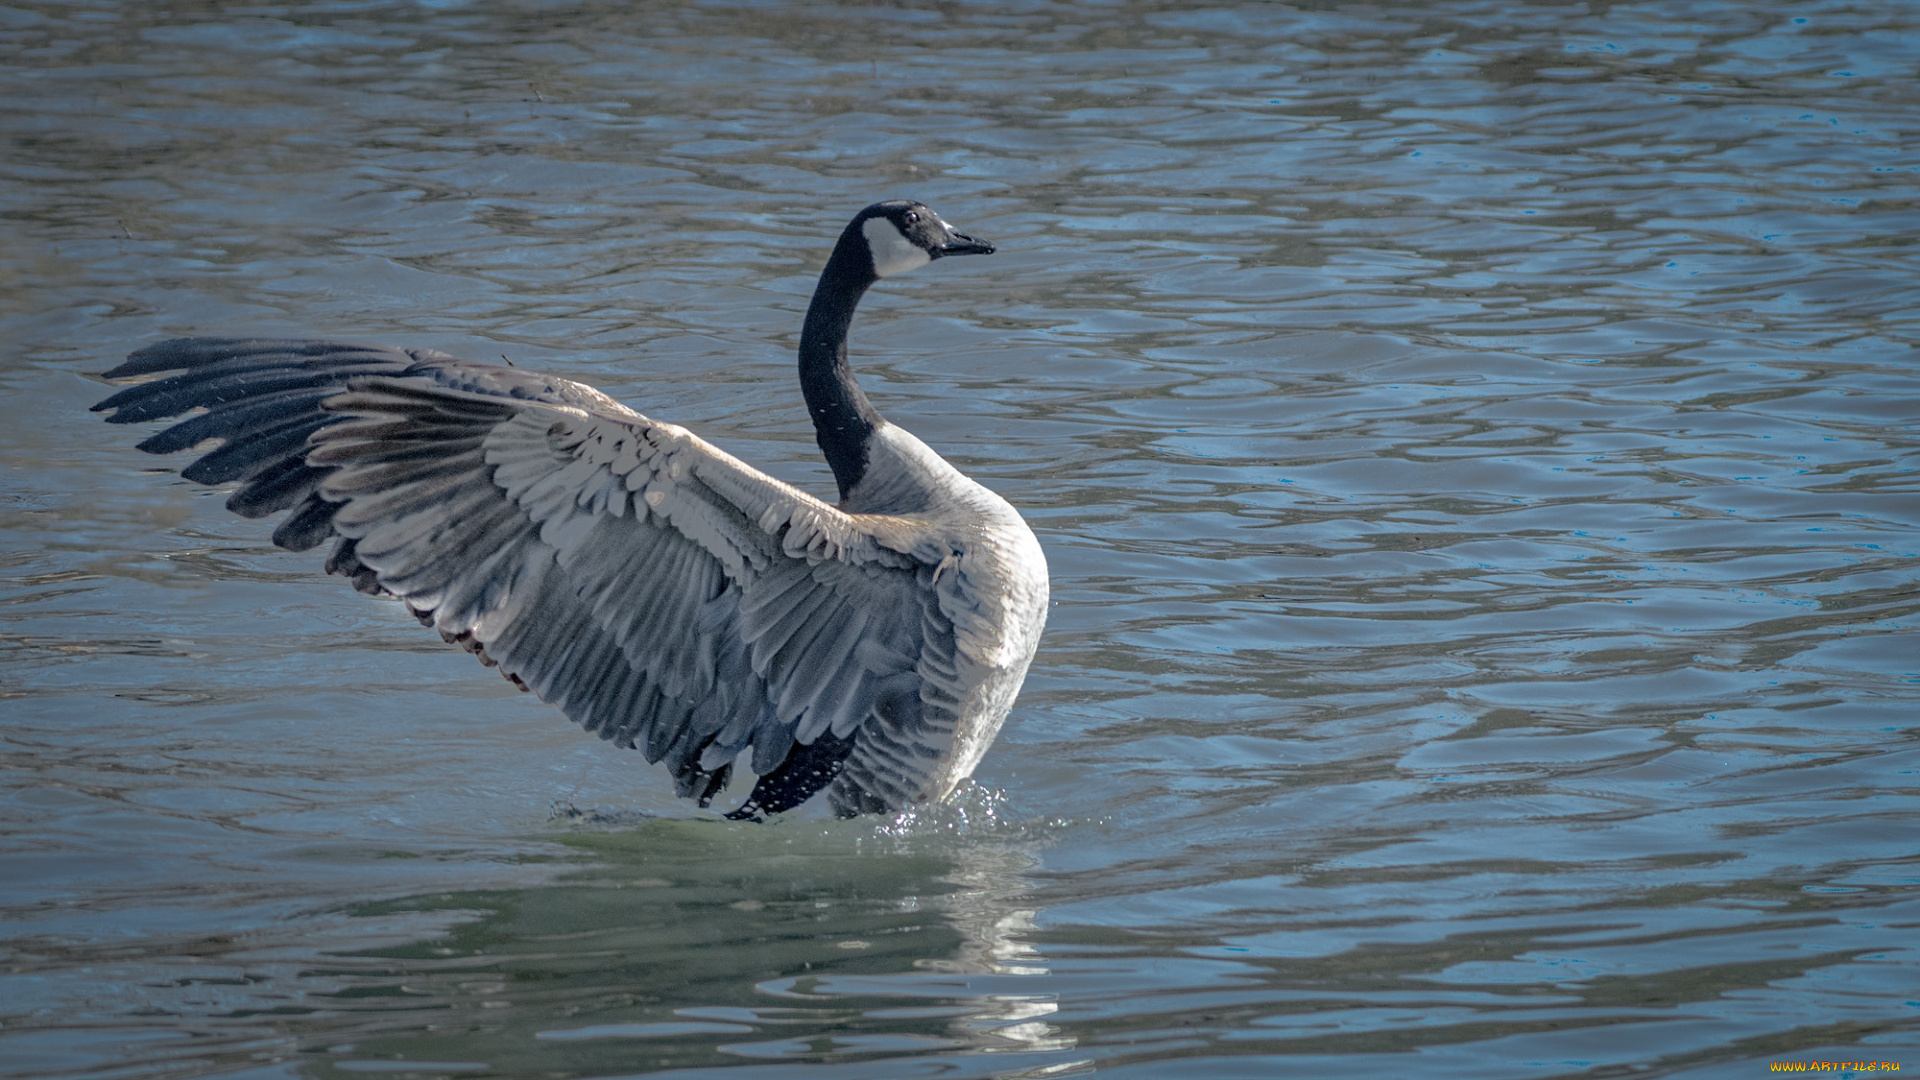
[661, 593]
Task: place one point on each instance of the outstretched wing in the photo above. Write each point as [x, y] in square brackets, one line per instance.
[657, 590]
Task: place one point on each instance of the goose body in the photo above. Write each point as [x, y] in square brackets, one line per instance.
[661, 593]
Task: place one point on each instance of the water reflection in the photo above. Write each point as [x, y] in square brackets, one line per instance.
[697, 944]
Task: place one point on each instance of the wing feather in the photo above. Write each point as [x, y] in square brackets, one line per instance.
[659, 592]
[815, 701]
[307, 527]
[286, 482]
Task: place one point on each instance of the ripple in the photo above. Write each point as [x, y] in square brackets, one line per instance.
[1474, 448]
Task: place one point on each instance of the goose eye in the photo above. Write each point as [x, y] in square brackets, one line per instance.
[913, 217]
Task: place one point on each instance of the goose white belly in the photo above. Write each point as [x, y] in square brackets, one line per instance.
[992, 583]
[1024, 607]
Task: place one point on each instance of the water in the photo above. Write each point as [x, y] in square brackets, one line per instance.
[1474, 444]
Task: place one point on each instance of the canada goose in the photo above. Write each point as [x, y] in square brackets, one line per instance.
[660, 592]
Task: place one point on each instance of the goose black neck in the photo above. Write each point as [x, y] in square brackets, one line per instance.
[843, 418]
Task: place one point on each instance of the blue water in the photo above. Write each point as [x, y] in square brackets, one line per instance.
[1475, 445]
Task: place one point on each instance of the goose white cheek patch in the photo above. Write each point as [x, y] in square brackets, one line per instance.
[892, 253]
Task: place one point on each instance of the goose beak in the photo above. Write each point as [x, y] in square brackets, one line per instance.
[959, 243]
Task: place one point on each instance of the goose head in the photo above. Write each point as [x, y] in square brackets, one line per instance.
[885, 239]
[903, 235]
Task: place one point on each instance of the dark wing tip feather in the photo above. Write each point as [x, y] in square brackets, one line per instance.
[210, 371]
[307, 527]
[183, 354]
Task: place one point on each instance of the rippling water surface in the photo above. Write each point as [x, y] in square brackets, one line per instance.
[1474, 443]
